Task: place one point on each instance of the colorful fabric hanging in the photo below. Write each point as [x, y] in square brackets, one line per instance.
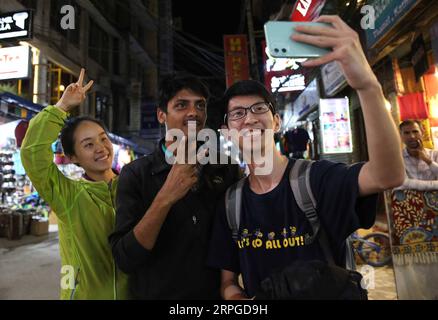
[413, 106]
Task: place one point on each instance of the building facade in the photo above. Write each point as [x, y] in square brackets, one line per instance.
[115, 41]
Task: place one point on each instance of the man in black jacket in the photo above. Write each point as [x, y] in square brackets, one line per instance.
[165, 212]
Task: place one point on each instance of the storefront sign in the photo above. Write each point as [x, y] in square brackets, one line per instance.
[332, 78]
[306, 10]
[387, 14]
[280, 73]
[286, 83]
[16, 25]
[307, 100]
[14, 62]
[236, 58]
[335, 126]
[419, 57]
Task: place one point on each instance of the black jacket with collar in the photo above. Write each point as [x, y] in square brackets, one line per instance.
[176, 267]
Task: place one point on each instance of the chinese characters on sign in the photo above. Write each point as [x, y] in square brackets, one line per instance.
[236, 58]
[16, 25]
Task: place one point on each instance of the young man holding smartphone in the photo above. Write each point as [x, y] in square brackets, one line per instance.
[273, 230]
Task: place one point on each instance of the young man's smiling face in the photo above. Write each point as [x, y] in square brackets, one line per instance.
[253, 126]
[184, 108]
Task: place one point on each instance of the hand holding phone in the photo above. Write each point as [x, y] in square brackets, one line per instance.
[280, 45]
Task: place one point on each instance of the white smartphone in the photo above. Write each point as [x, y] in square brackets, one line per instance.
[280, 45]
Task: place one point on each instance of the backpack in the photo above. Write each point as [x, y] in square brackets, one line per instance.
[299, 178]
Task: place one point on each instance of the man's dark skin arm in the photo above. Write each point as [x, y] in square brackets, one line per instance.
[179, 181]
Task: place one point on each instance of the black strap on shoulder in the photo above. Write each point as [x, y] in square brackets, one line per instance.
[233, 206]
[299, 178]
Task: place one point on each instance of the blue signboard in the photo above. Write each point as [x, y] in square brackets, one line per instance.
[387, 14]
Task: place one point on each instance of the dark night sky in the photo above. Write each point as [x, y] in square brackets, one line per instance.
[207, 21]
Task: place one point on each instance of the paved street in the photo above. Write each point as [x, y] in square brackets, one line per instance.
[384, 282]
[31, 271]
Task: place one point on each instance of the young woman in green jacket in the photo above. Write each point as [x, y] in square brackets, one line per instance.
[84, 208]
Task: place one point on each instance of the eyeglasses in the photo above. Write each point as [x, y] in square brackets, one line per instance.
[241, 112]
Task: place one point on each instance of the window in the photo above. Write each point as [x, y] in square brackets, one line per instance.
[102, 111]
[98, 45]
[128, 112]
[116, 56]
[72, 35]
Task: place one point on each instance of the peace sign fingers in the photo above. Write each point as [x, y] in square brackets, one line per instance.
[75, 93]
[81, 77]
[88, 86]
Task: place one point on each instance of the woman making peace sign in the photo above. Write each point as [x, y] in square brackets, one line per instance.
[85, 208]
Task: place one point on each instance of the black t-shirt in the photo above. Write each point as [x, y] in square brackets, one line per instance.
[274, 232]
[297, 139]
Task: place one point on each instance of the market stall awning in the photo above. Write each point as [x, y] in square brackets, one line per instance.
[125, 142]
[12, 98]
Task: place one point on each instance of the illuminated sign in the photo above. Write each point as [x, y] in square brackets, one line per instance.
[236, 58]
[335, 126]
[280, 73]
[294, 82]
[307, 10]
[332, 78]
[16, 25]
[388, 14]
[307, 100]
[14, 62]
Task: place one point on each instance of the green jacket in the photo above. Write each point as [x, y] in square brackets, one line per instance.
[85, 211]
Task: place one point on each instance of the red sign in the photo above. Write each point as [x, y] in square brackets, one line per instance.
[307, 10]
[280, 75]
[236, 58]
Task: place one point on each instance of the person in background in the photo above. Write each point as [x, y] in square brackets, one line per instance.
[298, 141]
[421, 164]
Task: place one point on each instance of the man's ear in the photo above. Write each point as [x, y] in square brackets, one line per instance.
[277, 123]
[161, 116]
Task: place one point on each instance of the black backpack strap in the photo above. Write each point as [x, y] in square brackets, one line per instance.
[233, 206]
[299, 178]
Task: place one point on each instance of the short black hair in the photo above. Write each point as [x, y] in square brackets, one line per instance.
[408, 123]
[171, 85]
[69, 129]
[247, 88]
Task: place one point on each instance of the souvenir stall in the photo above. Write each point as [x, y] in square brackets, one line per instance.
[21, 210]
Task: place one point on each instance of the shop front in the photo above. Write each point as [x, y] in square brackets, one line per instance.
[404, 54]
[22, 211]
